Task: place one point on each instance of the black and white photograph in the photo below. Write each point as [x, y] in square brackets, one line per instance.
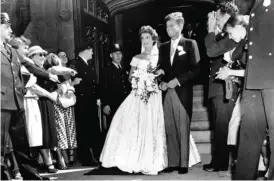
[137, 90]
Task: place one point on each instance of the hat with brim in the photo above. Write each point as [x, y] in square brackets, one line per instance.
[36, 50]
[115, 48]
[82, 48]
[5, 19]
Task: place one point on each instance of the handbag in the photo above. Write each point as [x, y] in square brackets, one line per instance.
[65, 101]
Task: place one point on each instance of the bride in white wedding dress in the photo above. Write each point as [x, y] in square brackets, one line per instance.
[136, 141]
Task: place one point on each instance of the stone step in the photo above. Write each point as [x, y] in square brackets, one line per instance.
[204, 148]
[200, 116]
[200, 125]
[198, 101]
[201, 136]
[198, 93]
[199, 108]
[198, 87]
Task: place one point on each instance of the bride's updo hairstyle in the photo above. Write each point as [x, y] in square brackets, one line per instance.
[149, 30]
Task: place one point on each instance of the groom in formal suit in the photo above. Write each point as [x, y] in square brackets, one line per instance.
[178, 58]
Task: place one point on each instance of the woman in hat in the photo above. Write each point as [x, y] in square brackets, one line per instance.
[37, 54]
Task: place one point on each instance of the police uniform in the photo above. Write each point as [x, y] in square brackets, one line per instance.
[258, 93]
[86, 115]
[115, 86]
[216, 46]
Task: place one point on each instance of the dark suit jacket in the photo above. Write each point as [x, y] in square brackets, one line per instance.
[12, 86]
[216, 46]
[114, 86]
[185, 67]
[260, 63]
[88, 89]
[35, 70]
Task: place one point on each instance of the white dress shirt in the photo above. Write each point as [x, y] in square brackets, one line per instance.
[85, 60]
[174, 44]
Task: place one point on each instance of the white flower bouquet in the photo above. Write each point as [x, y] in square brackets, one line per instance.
[144, 83]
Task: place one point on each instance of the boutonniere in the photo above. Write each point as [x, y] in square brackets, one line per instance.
[127, 72]
[266, 3]
[180, 50]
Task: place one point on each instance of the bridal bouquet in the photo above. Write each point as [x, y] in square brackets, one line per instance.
[144, 83]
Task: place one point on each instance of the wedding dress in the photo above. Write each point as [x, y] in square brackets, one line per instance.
[136, 141]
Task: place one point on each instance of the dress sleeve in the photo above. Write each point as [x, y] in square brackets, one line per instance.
[134, 62]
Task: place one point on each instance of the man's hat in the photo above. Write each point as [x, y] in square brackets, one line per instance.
[115, 48]
[82, 47]
[5, 19]
[175, 16]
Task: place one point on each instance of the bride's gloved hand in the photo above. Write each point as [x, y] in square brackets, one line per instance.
[160, 72]
[163, 86]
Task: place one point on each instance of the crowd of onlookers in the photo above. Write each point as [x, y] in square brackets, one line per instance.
[48, 104]
[51, 93]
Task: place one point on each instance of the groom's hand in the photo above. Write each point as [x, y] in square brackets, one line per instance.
[173, 83]
[163, 86]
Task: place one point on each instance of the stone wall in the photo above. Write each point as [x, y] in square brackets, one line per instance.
[14, 9]
[52, 26]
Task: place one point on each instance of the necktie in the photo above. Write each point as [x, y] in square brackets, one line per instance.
[7, 48]
[119, 68]
[172, 51]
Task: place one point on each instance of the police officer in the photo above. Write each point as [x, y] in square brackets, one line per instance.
[12, 107]
[86, 116]
[258, 93]
[114, 84]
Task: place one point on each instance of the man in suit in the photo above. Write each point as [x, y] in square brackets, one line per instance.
[178, 59]
[114, 84]
[86, 116]
[218, 43]
[258, 93]
[12, 107]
